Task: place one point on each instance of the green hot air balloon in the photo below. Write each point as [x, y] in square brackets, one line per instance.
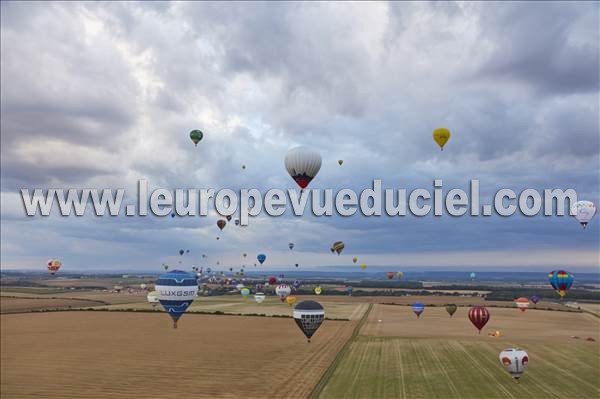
[451, 309]
[196, 136]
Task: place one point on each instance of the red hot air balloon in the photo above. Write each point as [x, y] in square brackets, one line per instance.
[479, 316]
[221, 224]
[272, 280]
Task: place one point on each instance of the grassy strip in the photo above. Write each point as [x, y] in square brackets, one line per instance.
[338, 357]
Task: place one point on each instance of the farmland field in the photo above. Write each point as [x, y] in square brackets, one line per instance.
[125, 355]
[441, 357]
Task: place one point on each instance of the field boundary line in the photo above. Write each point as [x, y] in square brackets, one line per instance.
[338, 357]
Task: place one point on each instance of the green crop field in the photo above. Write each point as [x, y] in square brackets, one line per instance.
[385, 367]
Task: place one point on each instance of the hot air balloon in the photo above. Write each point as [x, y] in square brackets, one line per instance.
[583, 211]
[290, 300]
[302, 164]
[479, 316]
[165, 266]
[283, 291]
[245, 292]
[418, 308]
[472, 276]
[308, 316]
[261, 258]
[173, 215]
[296, 284]
[400, 275]
[221, 223]
[340, 162]
[259, 297]
[534, 299]
[53, 266]
[244, 255]
[143, 286]
[239, 287]
[228, 217]
[296, 264]
[354, 260]
[390, 275]
[349, 290]
[441, 137]
[176, 291]
[514, 361]
[451, 309]
[561, 281]
[318, 290]
[337, 247]
[243, 167]
[196, 136]
[236, 222]
[291, 246]
[272, 280]
[152, 298]
[363, 266]
[204, 256]
[522, 303]
[181, 252]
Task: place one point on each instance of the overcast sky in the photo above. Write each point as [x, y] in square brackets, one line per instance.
[99, 95]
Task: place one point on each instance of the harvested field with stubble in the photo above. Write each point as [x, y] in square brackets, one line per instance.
[125, 355]
[441, 357]
[29, 304]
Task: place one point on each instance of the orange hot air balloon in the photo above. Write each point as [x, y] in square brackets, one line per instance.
[221, 223]
[290, 300]
[390, 275]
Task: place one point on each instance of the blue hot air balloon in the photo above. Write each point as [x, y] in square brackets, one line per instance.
[561, 281]
[418, 308]
[261, 258]
[176, 291]
[349, 290]
[535, 299]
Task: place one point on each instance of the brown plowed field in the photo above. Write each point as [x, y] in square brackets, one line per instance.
[127, 355]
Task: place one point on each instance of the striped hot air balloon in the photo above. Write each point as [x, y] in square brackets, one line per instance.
[418, 308]
[337, 247]
[522, 303]
[479, 316]
[53, 266]
[561, 281]
[283, 290]
[176, 291]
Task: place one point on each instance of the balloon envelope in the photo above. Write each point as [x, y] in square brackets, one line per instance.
[441, 136]
[354, 260]
[221, 223]
[261, 258]
[290, 300]
[418, 308]
[272, 280]
[309, 316]
[337, 247]
[561, 281]
[152, 297]
[259, 297]
[302, 164]
[53, 266]
[451, 309]
[514, 361]
[390, 275]
[318, 290]
[479, 316]
[535, 299]
[283, 290]
[363, 266]
[583, 211]
[522, 303]
[176, 291]
[196, 135]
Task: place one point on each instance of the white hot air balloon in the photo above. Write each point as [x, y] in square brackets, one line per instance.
[302, 164]
[152, 298]
[583, 211]
[259, 297]
[283, 291]
[143, 286]
[239, 287]
[514, 361]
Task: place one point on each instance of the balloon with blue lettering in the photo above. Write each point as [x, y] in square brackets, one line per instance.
[176, 291]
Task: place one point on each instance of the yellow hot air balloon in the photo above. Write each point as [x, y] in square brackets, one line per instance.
[318, 290]
[400, 275]
[441, 136]
[363, 266]
[290, 300]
